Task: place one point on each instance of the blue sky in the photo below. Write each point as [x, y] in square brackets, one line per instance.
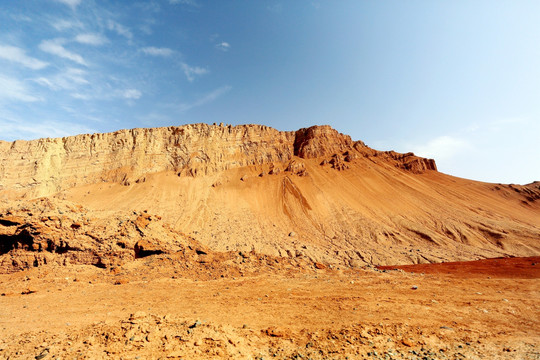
[458, 81]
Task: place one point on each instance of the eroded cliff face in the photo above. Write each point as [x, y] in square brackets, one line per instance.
[46, 166]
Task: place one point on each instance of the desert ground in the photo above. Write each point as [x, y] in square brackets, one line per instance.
[152, 309]
[212, 241]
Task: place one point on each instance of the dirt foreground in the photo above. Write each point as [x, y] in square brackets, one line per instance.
[149, 309]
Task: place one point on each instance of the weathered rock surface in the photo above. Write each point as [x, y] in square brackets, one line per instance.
[34, 233]
[45, 166]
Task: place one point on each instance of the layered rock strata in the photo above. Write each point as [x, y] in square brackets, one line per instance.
[46, 166]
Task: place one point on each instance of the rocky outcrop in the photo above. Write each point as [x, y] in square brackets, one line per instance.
[296, 168]
[317, 141]
[40, 232]
[413, 163]
[46, 166]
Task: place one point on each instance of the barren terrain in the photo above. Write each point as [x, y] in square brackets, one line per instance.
[245, 242]
[151, 309]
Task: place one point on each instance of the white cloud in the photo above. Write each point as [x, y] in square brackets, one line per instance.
[185, 2]
[70, 79]
[146, 27]
[71, 3]
[13, 89]
[150, 50]
[21, 17]
[63, 24]
[119, 29]
[442, 147]
[81, 96]
[91, 39]
[18, 129]
[132, 94]
[82, 85]
[56, 47]
[18, 55]
[205, 99]
[192, 71]
[149, 6]
[223, 46]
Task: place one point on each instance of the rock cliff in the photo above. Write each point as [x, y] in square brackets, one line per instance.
[46, 166]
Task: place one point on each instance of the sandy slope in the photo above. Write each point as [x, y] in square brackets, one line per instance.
[369, 213]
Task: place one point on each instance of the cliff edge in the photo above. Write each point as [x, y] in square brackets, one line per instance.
[45, 166]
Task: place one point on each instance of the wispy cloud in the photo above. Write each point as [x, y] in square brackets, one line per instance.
[223, 46]
[149, 6]
[63, 24]
[71, 3]
[91, 39]
[131, 94]
[13, 89]
[21, 17]
[81, 96]
[16, 129]
[119, 29]
[18, 55]
[192, 71]
[185, 2]
[205, 99]
[442, 147]
[146, 27]
[69, 79]
[154, 51]
[56, 47]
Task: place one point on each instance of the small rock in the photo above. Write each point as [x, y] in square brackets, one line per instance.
[407, 342]
[274, 332]
[195, 324]
[42, 355]
[414, 287]
[292, 234]
[144, 248]
[137, 317]
[175, 354]
[120, 281]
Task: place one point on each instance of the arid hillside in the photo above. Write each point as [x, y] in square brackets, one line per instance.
[245, 242]
[313, 194]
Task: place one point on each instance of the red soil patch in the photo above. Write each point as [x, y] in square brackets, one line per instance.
[519, 268]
